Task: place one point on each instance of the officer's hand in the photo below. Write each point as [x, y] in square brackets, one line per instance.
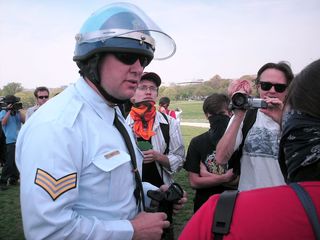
[149, 225]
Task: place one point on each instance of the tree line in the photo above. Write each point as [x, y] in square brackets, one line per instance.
[193, 91]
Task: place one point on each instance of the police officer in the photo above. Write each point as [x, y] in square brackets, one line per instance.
[79, 175]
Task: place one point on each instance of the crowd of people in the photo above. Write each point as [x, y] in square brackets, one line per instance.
[102, 166]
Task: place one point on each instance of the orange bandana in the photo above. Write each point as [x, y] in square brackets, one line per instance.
[143, 115]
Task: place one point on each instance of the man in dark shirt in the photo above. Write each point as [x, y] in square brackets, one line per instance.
[205, 176]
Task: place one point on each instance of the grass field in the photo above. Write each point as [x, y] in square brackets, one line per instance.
[191, 110]
[10, 215]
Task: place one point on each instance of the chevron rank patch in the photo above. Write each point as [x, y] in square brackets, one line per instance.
[55, 187]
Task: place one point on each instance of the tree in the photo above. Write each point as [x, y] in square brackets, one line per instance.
[12, 89]
[169, 92]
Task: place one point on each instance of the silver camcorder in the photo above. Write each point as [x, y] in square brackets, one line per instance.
[241, 100]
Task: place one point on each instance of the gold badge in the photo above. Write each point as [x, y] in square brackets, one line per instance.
[55, 187]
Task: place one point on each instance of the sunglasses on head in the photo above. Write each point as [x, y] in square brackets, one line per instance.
[131, 58]
[266, 86]
[42, 97]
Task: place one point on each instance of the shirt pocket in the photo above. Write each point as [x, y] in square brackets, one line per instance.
[116, 165]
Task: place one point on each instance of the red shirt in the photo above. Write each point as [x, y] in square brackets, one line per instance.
[266, 213]
[171, 113]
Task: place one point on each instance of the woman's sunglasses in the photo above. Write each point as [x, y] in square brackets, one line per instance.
[266, 86]
[131, 58]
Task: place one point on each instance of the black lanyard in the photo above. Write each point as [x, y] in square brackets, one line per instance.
[138, 192]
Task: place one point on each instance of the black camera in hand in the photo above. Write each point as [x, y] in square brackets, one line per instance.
[10, 102]
[243, 101]
[163, 201]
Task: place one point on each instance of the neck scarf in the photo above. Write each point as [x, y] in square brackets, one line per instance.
[218, 120]
[143, 115]
[300, 142]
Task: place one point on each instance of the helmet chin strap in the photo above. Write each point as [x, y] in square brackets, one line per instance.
[91, 71]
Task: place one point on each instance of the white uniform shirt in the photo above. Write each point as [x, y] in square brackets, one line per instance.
[176, 153]
[76, 174]
[259, 161]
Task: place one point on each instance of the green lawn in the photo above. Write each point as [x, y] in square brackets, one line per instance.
[191, 110]
[10, 216]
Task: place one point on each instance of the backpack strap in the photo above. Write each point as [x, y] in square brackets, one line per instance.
[223, 213]
[249, 120]
[309, 207]
[165, 132]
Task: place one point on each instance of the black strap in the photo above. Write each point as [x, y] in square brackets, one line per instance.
[165, 132]
[248, 122]
[309, 207]
[138, 192]
[223, 213]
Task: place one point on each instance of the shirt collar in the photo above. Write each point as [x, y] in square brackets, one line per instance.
[97, 103]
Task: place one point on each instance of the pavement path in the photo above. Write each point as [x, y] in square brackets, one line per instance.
[194, 124]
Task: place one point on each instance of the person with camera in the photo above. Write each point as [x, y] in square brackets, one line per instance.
[2, 155]
[158, 135]
[11, 119]
[258, 165]
[42, 96]
[79, 164]
[278, 212]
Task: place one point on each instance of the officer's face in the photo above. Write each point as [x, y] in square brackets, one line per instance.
[120, 80]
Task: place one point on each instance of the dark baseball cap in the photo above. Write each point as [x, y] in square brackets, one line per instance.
[151, 76]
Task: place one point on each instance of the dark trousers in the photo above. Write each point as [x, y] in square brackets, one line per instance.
[10, 170]
[2, 147]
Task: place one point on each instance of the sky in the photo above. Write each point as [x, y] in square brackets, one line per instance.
[230, 38]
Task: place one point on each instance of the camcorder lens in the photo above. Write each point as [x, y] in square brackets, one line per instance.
[239, 99]
[242, 101]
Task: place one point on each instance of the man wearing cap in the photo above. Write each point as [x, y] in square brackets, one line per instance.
[80, 167]
[160, 161]
[11, 121]
[158, 135]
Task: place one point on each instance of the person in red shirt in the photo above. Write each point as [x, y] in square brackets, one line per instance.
[164, 103]
[276, 212]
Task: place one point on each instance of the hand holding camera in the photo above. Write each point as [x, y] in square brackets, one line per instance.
[10, 103]
[274, 110]
[243, 101]
[164, 201]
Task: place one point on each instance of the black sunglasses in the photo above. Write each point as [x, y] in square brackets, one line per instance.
[266, 86]
[131, 58]
[42, 97]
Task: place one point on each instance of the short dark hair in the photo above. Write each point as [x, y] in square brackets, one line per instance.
[303, 93]
[164, 100]
[40, 89]
[281, 66]
[216, 103]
